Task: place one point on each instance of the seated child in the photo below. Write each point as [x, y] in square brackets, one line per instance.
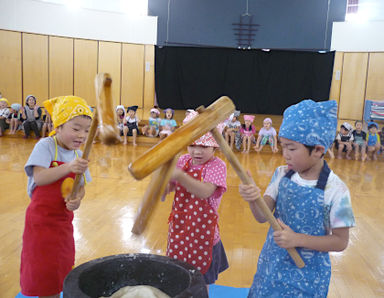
[14, 118]
[47, 125]
[131, 123]
[4, 113]
[168, 124]
[311, 203]
[232, 130]
[344, 140]
[247, 132]
[381, 134]
[359, 141]
[267, 134]
[153, 127]
[373, 140]
[120, 116]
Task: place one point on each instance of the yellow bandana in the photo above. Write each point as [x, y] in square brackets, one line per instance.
[5, 100]
[64, 108]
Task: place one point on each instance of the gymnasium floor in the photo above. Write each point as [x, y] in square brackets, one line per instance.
[104, 220]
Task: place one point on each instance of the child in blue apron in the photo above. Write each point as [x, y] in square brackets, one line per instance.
[48, 252]
[311, 203]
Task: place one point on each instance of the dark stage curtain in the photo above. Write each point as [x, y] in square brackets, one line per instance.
[258, 82]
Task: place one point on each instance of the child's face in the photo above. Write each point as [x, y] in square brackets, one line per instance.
[72, 134]
[267, 124]
[168, 114]
[200, 154]
[247, 123]
[373, 130]
[120, 112]
[343, 131]
[234, 118]
[131, 113]
[297, 156]
[3, 104]
[359, 126]
[153, 115]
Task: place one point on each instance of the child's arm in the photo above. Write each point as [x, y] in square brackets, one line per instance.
[287, 238]
[44, 176]
[200, 189]
[251, 193]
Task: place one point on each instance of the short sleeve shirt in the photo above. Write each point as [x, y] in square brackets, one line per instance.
[43, 154]
[337, 199]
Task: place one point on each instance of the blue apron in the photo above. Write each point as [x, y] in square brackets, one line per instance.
[302, 208]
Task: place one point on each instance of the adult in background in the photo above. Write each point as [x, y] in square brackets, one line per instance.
[31, 115]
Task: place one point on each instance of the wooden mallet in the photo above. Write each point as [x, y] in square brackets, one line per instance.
[163, 156]
[246, 179]
[108, 133]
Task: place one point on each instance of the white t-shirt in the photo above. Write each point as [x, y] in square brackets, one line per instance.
[43, 154]
[337, 199]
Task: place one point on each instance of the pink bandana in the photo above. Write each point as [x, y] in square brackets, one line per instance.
[206, 140]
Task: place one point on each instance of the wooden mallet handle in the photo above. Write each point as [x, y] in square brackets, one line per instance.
[181, 138]
[155, 190]
[108, 133]
[87, 150]
[233, 160]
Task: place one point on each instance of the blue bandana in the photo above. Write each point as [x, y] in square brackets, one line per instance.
[310, 123]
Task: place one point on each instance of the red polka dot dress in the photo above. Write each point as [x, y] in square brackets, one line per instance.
[193, 222]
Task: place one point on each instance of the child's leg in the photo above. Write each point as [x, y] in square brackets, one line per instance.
[145, 131]
[356, 147]
[12, 126]
[349, 149]
[244, 143]
[249, 143]
[232, 139]
[134, 134]
[340, 151]
[125, 133]
[363, 152]
[375, 150]
[226, 134]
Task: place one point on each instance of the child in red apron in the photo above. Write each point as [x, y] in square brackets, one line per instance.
[199, 181]
[48, 251]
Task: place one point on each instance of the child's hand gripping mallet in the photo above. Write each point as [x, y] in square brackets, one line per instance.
[246, 179]
[164, 155]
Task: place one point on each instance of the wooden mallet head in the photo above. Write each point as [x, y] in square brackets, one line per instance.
[108, 131]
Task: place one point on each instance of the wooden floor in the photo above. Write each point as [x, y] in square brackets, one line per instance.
[104, 220]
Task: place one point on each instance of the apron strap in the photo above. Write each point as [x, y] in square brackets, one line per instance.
[54, 137]
[323, 177]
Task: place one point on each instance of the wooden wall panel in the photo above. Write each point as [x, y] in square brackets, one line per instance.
[60, 66]
[10, 61]
[149, 76]
[110, 62]
[132, 75]
[85, 69]
[35, 66]
[375, 81]
[353, 86]
[334, 93]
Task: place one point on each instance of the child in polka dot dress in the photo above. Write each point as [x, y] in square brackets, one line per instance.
[199, 181]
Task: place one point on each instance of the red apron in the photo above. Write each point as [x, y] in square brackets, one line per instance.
[192, 225]
[48, 252]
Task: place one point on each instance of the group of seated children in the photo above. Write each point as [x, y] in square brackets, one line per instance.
[128, 124]
[366, 145]
[25, 118]
[237, 134]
